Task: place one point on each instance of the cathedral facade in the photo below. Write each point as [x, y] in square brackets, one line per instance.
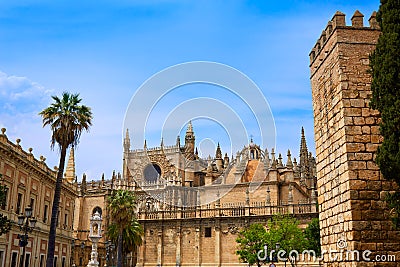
[191, 209]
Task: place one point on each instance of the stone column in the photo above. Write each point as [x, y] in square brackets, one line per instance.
[178, 245]
[198, 245]
[217, 243]
[159, 248]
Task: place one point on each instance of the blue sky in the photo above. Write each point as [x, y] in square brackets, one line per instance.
[105, 50]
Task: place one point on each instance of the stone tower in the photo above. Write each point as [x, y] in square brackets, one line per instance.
[189, 142]
[351, 190]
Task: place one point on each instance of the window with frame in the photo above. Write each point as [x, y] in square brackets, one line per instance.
[1, 257]
[27, 259]
[19, 203]
[32, 203]
[4, 204]
[14, 257]
[46, 208]
[41, 264]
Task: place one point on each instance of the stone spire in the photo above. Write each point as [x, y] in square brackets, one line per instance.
[83, 184]
[218, 153]
[218, 158]
[178, 141]
[289, 163]
[280, 164]
[303, 149]
[162, 142]
[226, 161]
[102, 180]
[189, 128]
[273, 160]
[266, 159]
[145, 144]
[127, 141]
[70, 170]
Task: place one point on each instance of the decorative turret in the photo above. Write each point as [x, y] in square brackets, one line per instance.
[189, 142]
[218, 153]
[178, 141]
[218, 158]
[266, 159]
[273, 160]
[289, 163]
[303, 149]
[226, 161]
[280, 163]
[83, 184]
[127, 141]
[69, 174]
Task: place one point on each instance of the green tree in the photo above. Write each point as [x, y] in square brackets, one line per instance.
[313, 237]
[385, 70]
[5, 223]
[67, 119]
[250, 241]
[284, 230]
[124, 225]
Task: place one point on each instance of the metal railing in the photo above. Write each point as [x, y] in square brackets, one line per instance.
[228, 210]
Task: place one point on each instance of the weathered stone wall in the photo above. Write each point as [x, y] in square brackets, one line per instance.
[184, 241]
[351, 190]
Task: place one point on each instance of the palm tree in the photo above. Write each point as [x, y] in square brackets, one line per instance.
[67, 120]
[131, 236]
[122, 207]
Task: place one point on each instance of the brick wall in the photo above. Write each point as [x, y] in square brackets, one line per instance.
[350, 187]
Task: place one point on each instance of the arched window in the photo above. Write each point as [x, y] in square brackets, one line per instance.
[152, 172]
[98, 209]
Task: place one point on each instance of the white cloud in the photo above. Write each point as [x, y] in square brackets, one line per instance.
[20, 95]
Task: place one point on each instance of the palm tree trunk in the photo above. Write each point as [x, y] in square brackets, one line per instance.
[54, 210]
[119, 255]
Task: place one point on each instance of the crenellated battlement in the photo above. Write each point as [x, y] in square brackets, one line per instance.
[339, 22]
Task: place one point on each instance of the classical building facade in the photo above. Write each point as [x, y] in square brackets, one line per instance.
[351, 188]
[30, 182]
[191, 209]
